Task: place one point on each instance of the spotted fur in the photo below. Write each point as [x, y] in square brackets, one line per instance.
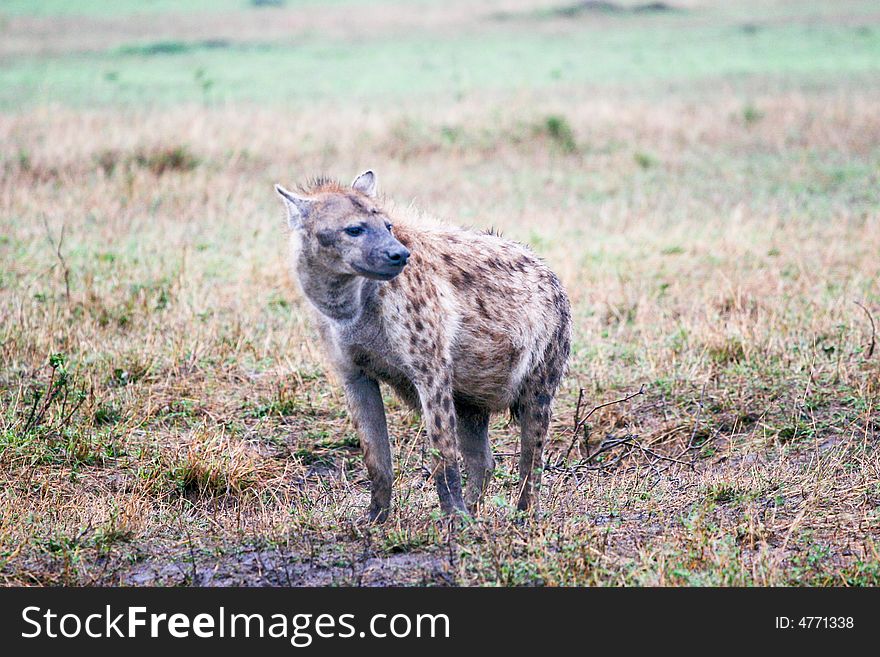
[473, 324]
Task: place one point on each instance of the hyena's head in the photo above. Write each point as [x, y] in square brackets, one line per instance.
[343, 229]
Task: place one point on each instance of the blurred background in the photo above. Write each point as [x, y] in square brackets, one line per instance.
[383, 55]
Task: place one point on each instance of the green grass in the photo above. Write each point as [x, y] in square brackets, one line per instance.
[508, 56]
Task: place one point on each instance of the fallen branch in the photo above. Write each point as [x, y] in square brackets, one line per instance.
[606, 445]
[580, 422]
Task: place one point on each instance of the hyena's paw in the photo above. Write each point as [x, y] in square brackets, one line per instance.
[376, 515]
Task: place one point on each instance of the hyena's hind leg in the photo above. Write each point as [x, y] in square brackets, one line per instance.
[473, 442]
[533, 410]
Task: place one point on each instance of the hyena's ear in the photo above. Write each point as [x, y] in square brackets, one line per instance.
[298, 208]
[365, 183]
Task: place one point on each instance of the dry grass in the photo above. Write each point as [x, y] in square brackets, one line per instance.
[166, 417]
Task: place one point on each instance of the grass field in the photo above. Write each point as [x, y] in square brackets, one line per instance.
[704, 180]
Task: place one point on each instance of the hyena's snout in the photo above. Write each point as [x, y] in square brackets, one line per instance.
[387, 260]
[396, 256]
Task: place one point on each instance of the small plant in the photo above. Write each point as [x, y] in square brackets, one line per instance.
[170, 158]
[278, 303]
[58, 395]
[644, 160]
[560, 132]
[24, 160]
[722, 493]
[46, 424]
[107, 414]
[451, 134]
[751, 114]
[795, 430]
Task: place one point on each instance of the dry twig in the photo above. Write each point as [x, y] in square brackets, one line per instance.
[580, 422]
[873, 343]
[57, 246]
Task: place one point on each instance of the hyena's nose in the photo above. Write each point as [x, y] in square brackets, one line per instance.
[397, 257]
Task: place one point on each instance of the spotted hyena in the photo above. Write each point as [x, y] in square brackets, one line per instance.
[460, 324]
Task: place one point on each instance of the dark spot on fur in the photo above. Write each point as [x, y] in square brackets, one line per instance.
[326, 237]
[481, 305]
[437, 421]
[464, 280]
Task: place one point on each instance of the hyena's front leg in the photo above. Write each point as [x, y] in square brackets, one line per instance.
[438, 412]
[368, 415]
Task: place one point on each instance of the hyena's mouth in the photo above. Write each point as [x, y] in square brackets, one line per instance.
[384, 274]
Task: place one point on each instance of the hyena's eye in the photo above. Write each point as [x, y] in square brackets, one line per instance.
[389, 227]
[354, 231]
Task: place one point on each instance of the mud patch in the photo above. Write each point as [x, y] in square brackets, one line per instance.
[270, 567]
